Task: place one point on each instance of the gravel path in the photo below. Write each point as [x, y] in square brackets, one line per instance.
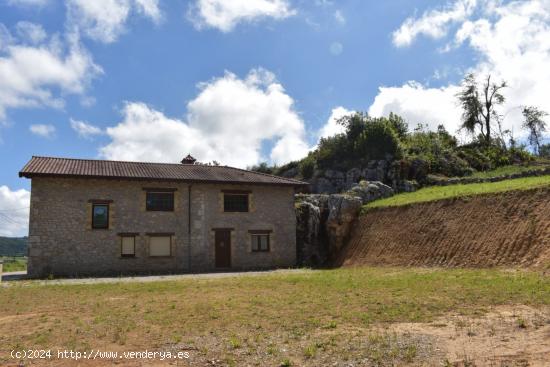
[19, 277]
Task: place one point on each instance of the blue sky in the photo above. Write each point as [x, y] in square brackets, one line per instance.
[242, 81]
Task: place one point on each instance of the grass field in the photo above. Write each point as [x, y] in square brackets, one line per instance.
[452, 191]
[508, 170]
[14, 264]
[309, 318]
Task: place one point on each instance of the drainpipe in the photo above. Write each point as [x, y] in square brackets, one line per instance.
[189, 227]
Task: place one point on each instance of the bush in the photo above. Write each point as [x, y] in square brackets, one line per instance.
[377, 141]
[307, 166]
[450, 165]
[544, 151]
[262, 168]
[287, 170]
[333, 152]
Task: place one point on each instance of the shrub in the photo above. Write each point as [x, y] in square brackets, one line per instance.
[333, 152]
[377, 141]
[307, 166]
[263, 168]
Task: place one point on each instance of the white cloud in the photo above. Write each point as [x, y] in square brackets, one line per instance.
[228, 122]
[336, 48]
[418, 104]
[332, 127]
[106, 20]
[31, 32]
[84, 129]
[512, 44]
[14, 212]
[28, 3]
[45, 131]
[39, 75]
[433, 23]
[339, 16]
[225, 15]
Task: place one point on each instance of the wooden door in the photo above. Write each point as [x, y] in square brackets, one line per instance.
[223, 248]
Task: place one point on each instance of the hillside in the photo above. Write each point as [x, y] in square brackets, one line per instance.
[13, 246]
[502, 229]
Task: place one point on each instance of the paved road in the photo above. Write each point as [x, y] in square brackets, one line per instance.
[18, 276]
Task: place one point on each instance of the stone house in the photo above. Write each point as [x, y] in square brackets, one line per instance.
[91, 217]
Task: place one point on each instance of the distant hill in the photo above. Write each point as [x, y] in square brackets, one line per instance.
[13, 246]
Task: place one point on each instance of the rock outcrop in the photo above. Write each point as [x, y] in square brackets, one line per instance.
[389, 172]
[324, 222]
[311, 236]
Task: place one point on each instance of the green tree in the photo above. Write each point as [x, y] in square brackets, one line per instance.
[479, 104]
[535, 124]
[399, 125]
[544, 151]
[377, 140]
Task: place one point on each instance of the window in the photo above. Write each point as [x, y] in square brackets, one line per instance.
[128, 246]
[100, 216]
[235, 202]
[160, 245]
[160, 201]
[260, 242]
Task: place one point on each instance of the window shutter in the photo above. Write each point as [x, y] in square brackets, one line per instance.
[159, 246]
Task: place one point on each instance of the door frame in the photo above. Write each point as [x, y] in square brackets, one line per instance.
[227, 233]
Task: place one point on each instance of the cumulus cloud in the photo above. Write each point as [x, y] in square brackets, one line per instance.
[106, 20]
[433, 23]
[41, 74]
[332, 127]
[45, 131]
[84, 129]
[229, 121]
[225, 15]
[512, 44]
[418, 104]
[14, 212]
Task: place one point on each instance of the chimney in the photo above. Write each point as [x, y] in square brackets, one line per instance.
[188, 160]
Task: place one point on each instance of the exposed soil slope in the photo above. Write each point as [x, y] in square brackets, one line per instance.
[505, 229]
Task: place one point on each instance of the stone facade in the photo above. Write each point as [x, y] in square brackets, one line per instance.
[62, 241]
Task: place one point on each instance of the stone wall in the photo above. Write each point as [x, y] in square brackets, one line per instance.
[62, 242]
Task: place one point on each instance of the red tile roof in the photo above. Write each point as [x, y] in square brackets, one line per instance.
[89, 168]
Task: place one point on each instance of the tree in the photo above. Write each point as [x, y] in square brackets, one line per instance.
[399, 125]
[535, 124]
[479, 104]
[377, 141]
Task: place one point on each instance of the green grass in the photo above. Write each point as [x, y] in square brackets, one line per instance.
[507, 170]
[14, 264]
[276, 316]
[453, 191]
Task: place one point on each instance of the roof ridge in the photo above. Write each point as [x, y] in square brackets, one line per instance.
[284, 179]
[104, 160]
[266, 174]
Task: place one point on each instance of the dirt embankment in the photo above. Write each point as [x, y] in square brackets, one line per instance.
[505, 229]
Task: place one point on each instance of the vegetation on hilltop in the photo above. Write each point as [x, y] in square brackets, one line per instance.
[13, 246]
[420, 151]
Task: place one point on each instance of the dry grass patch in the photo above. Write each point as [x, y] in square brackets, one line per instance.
[312, 318]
